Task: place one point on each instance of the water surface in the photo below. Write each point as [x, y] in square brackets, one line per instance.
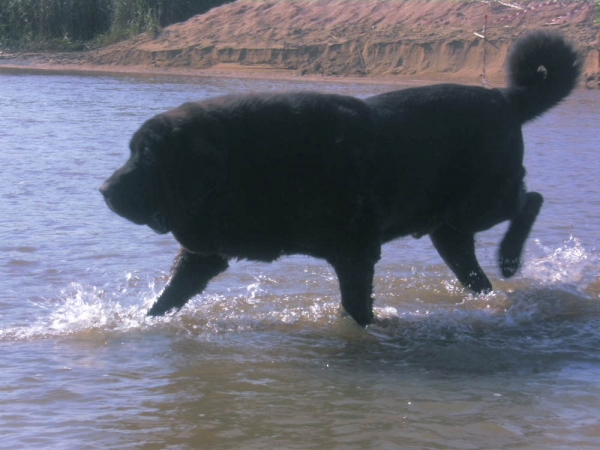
[263, 359]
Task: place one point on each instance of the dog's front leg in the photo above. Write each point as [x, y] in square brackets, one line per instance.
[511, 247]
[355, 271]
[457, 249]
[189, 276]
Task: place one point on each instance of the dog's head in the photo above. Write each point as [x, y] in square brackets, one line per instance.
[171, 172]
[136, 190]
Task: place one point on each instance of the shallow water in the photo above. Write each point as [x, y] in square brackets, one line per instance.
[263, 359]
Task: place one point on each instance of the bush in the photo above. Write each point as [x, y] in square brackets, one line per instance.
[27, 23]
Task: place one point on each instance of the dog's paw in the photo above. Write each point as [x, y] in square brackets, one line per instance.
[160, 309]
[509, 266]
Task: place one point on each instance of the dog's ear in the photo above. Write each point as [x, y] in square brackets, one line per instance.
[153, 139]
[205, 160]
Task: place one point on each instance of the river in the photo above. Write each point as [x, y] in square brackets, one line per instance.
[263, 359]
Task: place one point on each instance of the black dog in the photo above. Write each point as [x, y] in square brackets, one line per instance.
[334, 177]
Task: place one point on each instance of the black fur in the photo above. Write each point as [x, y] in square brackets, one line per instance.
[334, 177]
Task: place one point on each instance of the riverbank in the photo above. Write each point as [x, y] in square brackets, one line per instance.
[428, 40]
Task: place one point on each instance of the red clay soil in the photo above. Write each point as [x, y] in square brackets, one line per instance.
[393, 39]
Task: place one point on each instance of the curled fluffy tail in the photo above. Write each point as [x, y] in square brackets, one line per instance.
[543, 68]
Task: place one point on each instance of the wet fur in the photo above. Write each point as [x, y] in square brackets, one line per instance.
[266, 175]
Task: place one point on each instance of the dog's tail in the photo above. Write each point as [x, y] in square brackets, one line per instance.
[543, 68]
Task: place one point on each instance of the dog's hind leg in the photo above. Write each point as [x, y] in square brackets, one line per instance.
[355, 271]
[457, 249]
[509, 254]
[189, 276]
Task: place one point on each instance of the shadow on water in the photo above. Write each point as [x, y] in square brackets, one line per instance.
[531, 329]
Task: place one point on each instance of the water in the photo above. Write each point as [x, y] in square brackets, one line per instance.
[263, 358]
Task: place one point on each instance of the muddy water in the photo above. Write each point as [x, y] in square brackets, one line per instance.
[263, 358]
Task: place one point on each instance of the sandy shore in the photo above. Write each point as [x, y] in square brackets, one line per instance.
[37, 63]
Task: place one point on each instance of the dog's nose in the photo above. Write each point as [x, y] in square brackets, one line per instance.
[104, 189]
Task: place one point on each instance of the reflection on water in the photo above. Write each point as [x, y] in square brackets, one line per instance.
[264, 359]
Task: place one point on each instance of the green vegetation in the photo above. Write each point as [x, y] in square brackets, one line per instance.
[73, 24]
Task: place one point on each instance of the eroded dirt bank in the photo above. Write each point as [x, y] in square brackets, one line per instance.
[426, 39]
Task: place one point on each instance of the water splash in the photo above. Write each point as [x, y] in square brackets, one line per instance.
[84, 309]
[556, 295]
[554, 287]
[570, 263]
[88, 309]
